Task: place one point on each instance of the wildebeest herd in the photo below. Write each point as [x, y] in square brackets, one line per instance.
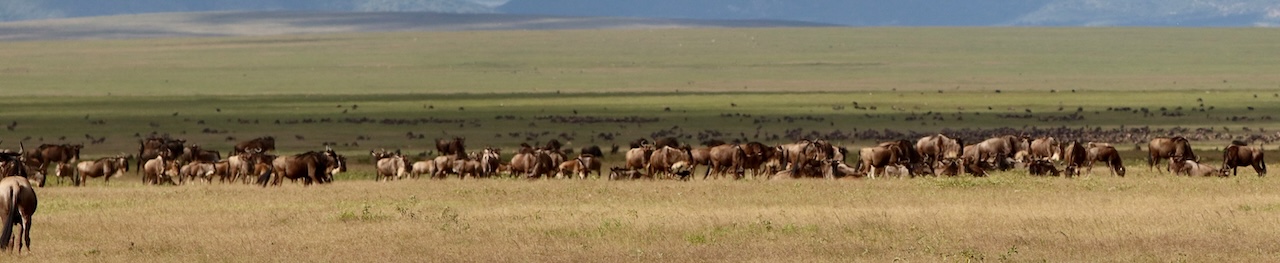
[164, 160]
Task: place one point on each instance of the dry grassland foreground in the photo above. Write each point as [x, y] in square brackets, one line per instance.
[1146, 217]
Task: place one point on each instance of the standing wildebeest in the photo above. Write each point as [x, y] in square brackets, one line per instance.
[701, 156]
[490, 159]
[637, 158]
[757, 155]
[456, 147]
[391, 165]
[1075, 156]
[420, 168]
[1045, 147]
[593, 151]
[158, 170]
[53, 154]
[672, 142]
[151, 147]
[726, 157]
[105, 167]
[1238, 154]
[999, 151]
[193, 153]
[1108, 155]
[311, 167]
[661, 161]
[1163, 147]
[971, 162]
[873, 160]
[935, 149]
[196, 170]
[264, 144]
[19, 202]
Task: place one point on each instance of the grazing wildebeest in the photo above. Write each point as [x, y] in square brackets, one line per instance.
[1074, 156]
[1193, 168]
[999, 151]
[726, 157]
[456, 147]
[19, 202]
[1239, 154]
[592, 163]
[972, 163]
[936, 148]
[1164, 147]
[311, 167]
[572, 167]
[1043, 166]
[1045, 147]
[195, 171]
[264, 144]
[660, 160]
[159, 170]
[1108, 155]
[105, 167]
[619, 173]
[151, 147]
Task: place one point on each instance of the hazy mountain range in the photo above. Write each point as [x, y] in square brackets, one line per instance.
[841, 12]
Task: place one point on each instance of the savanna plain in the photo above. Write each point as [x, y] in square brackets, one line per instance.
[359, 92]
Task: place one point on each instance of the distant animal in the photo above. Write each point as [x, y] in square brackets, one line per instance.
[193, 153]
[936, 148]
[311, 167]
[263, 144]
[1193, 168]
[19, 203]
[725, 158]
[1165, 147]
[455, 146]
[593, 150]
[661, 160]
[1043, 166]
[105, 167]
[54, 154]
[155, 146]
[1238, 154]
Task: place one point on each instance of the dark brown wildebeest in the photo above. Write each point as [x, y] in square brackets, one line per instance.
[19, 202]
[1108, 155]
[193, 153]
[756, 155]
[311, 167]
[456, 147]
[642, 142]
[1074, 156]
[1239, 154]
[662, 159]
[53, 154]
[794, 156]
[909, 158]
[934, 149]
[727, 157]
[152, 147]
[1164, 147]
[105, 167]
[264, 143]
[1042, 167]
[672, 142]
[1194, 168]
[553, 145]
[999, 151]
[593, 151]
[1045, 147]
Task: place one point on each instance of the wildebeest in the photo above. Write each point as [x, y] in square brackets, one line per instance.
[105, 167]
[311, 167]
[48, 154]
[193, 153]
[972, 162]
[19, 202]
[591, 162]
[1042, 166]
[936, 148]
[455, 146]
[1238, 154]
[1108, 155]
[241, 165]
[1045, 147]
[427, 167]
[1193, 168]
[701, 156]
[619, 173]
[998, 151]
[1075, 157]
[662, 159]
[637, 158]
[154, 146]
[1164, 147]
[873, 160]
[264, 144]
[757, 155]
[391, 166]
[570, 168]
[195, 171]
[490, 159]
[672, 142]
[727, 157]
[593, 150]
[159, 170]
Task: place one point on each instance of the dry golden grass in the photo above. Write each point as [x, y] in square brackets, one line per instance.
[1144, 217]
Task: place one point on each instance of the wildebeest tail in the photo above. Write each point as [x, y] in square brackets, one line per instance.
[10, 211]
[264, 178]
